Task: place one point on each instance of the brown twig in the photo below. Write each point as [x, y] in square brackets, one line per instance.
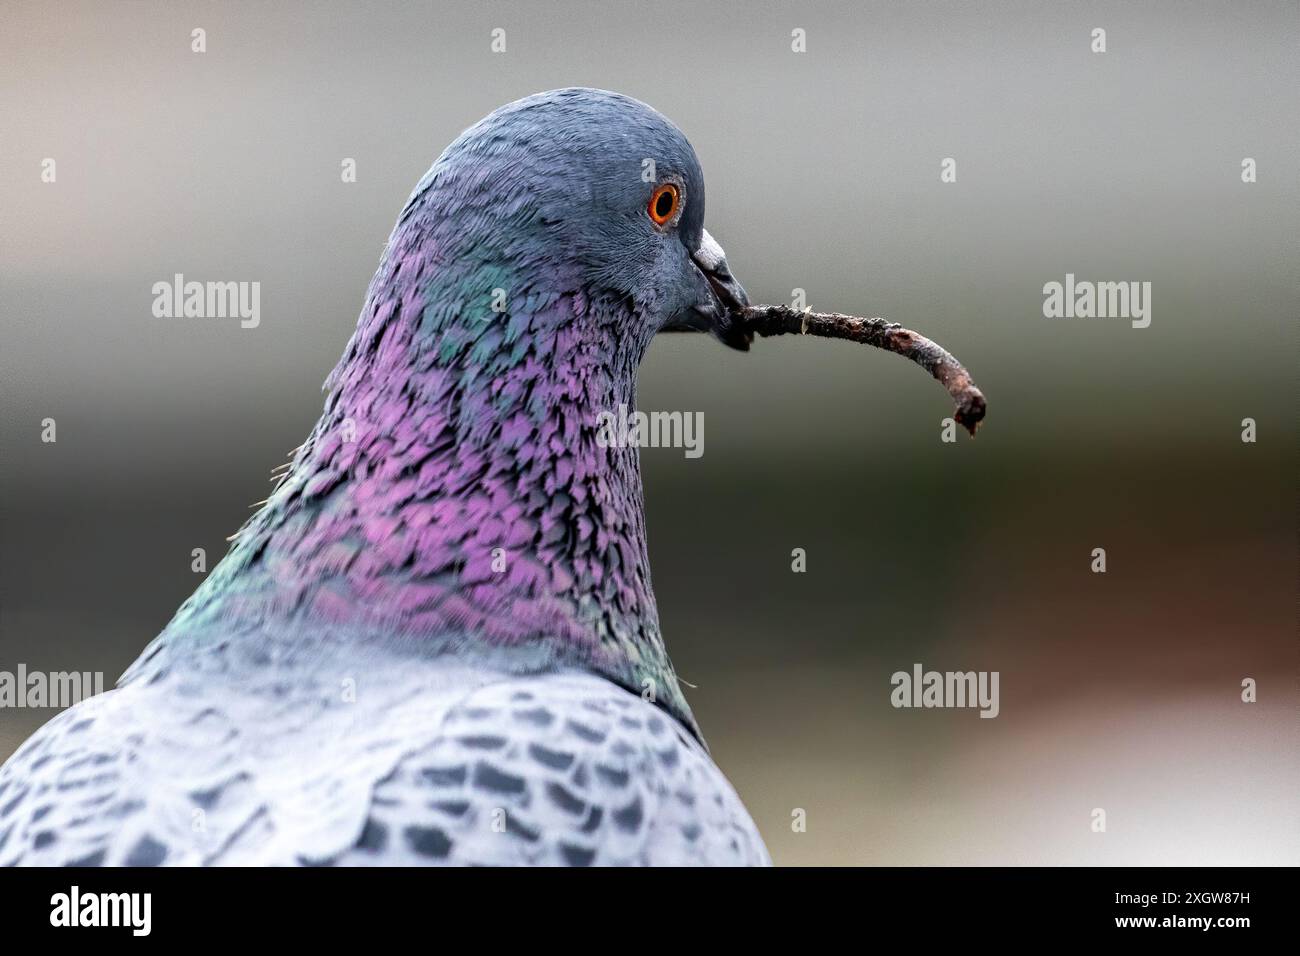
[767, 320]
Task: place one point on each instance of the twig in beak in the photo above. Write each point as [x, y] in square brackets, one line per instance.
[768, 320]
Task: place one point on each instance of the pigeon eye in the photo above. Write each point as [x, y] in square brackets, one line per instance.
[663, 203]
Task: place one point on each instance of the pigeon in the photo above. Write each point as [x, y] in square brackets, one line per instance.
[437, 641]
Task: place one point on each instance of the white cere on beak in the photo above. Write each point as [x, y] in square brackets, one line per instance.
[710, 254]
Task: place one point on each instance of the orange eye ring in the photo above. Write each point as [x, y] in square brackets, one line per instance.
[663, 203]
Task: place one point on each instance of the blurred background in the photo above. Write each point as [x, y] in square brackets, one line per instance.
[1119, 691]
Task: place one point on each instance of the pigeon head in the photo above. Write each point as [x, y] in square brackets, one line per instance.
[599, 185]
[456, 494]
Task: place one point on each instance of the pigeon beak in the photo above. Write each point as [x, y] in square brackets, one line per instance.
[721, 298]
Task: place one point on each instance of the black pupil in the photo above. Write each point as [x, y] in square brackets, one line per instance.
[664, 204]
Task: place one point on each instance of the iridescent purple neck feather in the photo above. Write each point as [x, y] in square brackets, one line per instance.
[453, 496]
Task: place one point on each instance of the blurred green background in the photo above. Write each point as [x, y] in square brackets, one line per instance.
[1118, 691]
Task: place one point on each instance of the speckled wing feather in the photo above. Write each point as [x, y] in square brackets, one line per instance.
[253, 752]
[561, 770]
[380, 759]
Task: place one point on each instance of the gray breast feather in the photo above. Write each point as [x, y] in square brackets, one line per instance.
[425, 765]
